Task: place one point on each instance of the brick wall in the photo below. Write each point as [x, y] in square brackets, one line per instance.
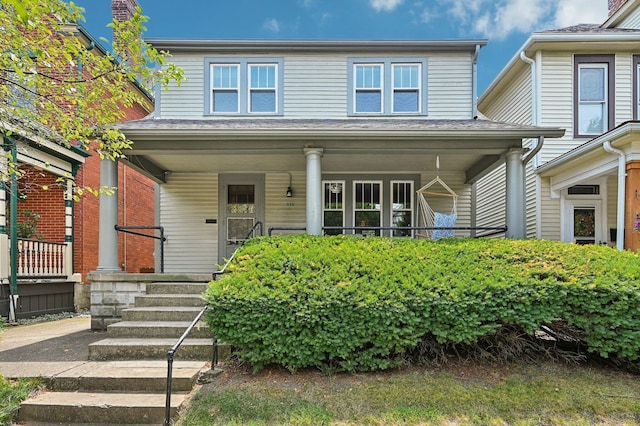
[614, 5]
[48, 203]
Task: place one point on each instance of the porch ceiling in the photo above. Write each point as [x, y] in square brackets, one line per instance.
[180, 146]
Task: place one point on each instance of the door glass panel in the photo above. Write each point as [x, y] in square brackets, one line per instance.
[238, 229]
[241, 199]
[333, 206]
[584, 225]
[368, 207]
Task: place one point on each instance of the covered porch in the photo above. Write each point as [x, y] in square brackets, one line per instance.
[219, 177]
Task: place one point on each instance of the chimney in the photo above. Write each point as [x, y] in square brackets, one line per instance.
[122, 11]
[614, 5]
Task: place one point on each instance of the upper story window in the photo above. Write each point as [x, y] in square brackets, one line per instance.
[379, 86]
[593, 94]
[244, 86]
[636, 87]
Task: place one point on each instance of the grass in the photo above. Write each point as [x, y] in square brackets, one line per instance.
[544, 394]
[12, 393]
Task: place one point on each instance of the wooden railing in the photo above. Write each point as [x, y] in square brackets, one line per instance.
[43, 259]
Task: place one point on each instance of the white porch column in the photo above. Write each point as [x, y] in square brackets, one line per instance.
[314, 190]
[108, 237]
[515, 203]
[68, 227]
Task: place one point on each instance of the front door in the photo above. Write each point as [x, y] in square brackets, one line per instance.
[584, 222]
[241, 207]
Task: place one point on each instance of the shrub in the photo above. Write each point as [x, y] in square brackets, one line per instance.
[358, 304]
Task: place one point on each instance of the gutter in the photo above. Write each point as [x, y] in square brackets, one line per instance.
[621, 192]
[474, 83]
[535, 121]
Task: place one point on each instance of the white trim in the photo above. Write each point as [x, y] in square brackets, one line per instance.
[411, 208]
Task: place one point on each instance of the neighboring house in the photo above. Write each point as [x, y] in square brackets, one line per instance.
[52, 270]
[583, 187]
[308, 134]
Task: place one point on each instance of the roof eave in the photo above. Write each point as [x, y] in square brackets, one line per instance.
[293, 45]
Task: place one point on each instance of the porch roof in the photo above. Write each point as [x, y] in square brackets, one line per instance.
[163, 146]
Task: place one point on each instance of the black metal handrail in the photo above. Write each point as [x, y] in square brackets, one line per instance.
[221, 271]
[170, 356]
[214, 358]
[162, 238]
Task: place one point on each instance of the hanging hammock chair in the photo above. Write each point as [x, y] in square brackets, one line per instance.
[439, 200]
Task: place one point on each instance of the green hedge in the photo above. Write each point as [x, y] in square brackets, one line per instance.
[358, 304]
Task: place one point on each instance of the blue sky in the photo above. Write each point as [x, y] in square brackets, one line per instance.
[505, 23]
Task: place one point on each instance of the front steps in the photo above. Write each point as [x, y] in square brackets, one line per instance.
[125, 378]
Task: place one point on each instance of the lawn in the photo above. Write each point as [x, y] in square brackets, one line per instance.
[456, 394]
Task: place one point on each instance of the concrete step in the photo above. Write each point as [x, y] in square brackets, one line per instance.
[144, 329]
[127, 376]
[176, 288]
[98, 407]
[153, 348]
[161, 313]
[183, 300]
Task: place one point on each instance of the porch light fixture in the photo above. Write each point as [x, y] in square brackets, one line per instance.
[289, 193]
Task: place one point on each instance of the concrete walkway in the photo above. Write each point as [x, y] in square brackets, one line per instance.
[46, 349]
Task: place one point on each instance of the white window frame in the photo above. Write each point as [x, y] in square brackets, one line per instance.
[395, 89]
[324, 200]
[393, 209]
[602, 102]
[379, 209]
[357, 89]
[213, 89]
[637, 76]
[250, 89]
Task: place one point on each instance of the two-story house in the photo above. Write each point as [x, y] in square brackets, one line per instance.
[311, 134]
[583, 187]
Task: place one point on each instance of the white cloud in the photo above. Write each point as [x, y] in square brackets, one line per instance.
[271, 25]
[386, 5]
[572, 12]
[500, 18]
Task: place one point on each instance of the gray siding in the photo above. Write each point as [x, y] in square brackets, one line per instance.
[449, 86]
[187, 100]
[186, 201]
[281, 211]
[550, 208]
[631, 21]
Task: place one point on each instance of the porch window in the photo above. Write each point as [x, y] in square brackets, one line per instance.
[224, 85]
[593, 88]
[333, 205]
[406, 88]
[367, 210]
[368, 88]
[401, 206]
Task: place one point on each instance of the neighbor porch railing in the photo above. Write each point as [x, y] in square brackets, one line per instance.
[44, 259]
[474, 231]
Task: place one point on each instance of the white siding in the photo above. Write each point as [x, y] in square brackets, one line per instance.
[550, 208]
[513, 105]
[315, 87]
[449, 86]
[624, 88]
[281, 211]
[557, 103]
[186, 201]
[631, 21]
[491, 199]
[187, 100]
[612, 205]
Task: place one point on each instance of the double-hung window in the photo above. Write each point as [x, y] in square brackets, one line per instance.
[333, 205]
[367, 210]
[387, 86]
[401, 207]
[244, 86]
[262, 87]
[593, 94]
[406, 88]
[368, 90]
[225, 91]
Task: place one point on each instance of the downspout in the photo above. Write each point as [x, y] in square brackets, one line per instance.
[474, 83]
[622, 174]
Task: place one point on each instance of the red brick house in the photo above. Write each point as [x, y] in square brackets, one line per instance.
[63, 233]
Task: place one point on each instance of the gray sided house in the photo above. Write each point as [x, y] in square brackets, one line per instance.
[585, 79]
[304, 135]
